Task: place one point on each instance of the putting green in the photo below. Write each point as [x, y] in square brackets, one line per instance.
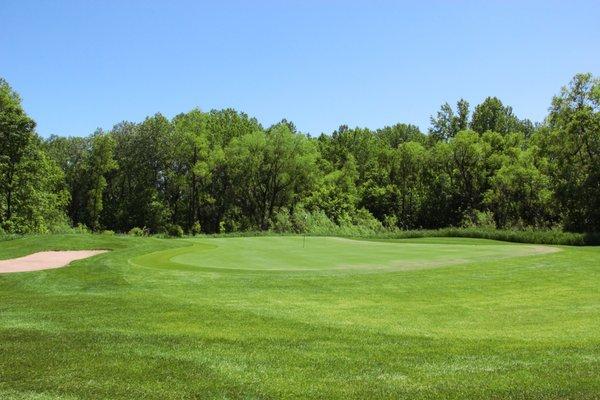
[295, 253]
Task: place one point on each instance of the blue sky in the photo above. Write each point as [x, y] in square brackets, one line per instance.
[86, 64]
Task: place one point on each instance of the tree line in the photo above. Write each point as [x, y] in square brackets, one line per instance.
[222, 171]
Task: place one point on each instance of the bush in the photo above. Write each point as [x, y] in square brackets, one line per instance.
[108, 232]
[174, 230]
[81, 228]
[61, 225]
[390, 222]
[196, 229]
[229, 225]
[480, 219]
[135, 231]
[299, 217]
[7, 227]
[364, 220]
[317, 223]
[361, 223]
[281, 222]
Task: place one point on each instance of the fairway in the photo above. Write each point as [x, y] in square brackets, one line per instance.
[291, 317]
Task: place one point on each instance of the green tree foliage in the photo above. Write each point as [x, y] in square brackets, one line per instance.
[270, 170]
[100, 163]
[407, 178]
[336, 194]
[519, 193]
[32, 192]
[191, 167]
[467, 171]
[71, 154]
[40, 196]
[362, 144]
[447, 123]
[573, 146]
[492, 115]
[16, 135]
[136, 195]
[394, 136]
[219, 212]
[221, 171]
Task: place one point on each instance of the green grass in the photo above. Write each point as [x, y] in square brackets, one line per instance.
[539, 236]
[277, 317]
[295, 253]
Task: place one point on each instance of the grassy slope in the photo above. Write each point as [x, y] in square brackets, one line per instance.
[106, 328]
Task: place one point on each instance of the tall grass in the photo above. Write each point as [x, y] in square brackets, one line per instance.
[550, 236]
[8, 236]
[553, 236]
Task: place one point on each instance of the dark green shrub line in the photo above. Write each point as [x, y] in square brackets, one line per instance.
[555, 237]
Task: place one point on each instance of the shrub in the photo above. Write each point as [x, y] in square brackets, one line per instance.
[282, 222]
[196, 229]
[135, 231]
[390, 222]
[81, 228]
[108, 232]
[364, 220]
[361, 223]
[174, 230]
[229, 225]
[480, 219]
[299, 217]
[61, 225]
[318, 223]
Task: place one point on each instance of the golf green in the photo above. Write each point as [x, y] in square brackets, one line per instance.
[293, 253]
[291, 317]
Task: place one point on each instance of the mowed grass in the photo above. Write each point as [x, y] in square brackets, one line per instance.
[288, 253]
[288, 317]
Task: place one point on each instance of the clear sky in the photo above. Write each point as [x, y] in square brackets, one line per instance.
[79, 65]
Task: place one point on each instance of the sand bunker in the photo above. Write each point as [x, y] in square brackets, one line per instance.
[45, 260]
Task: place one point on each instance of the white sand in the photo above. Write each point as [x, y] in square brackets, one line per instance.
[45, 260]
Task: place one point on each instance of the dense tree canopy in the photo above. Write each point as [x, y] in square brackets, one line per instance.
[32, 192]
[222, 171]
[573, 148]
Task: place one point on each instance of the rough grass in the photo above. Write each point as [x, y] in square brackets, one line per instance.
[556, 237]
[534, 236]
[508, 324]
